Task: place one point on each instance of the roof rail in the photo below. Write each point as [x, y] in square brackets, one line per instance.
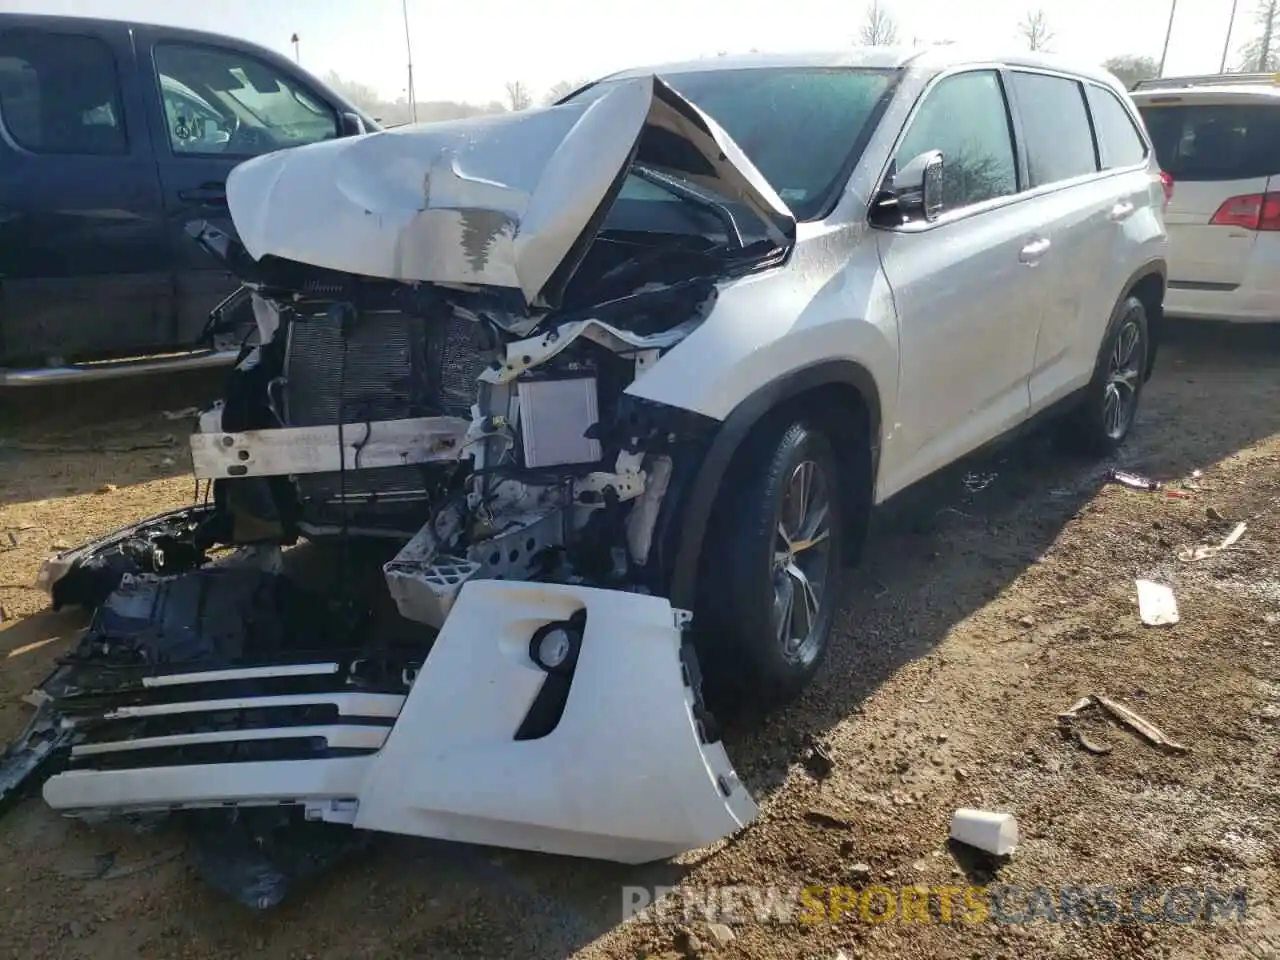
[1207, 80]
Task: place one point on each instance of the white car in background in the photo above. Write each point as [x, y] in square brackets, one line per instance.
[1218, 142]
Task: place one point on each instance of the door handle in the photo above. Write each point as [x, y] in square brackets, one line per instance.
[1033, 251]
[1121, 211]
[212, 191]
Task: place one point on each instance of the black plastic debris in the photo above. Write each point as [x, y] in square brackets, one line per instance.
[257, 856]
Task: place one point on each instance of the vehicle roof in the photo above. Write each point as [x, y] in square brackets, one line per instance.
[1208, 93]
[929, 60]
[54, 20]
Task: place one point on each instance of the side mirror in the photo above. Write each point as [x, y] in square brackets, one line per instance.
[913, 192]
[352, 125]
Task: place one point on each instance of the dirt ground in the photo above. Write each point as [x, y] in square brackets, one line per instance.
[979, 616]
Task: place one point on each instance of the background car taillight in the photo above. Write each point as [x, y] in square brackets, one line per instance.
[1166, 181]
[1253, 211]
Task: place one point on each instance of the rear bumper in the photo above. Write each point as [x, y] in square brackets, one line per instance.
[628, 772]
[1246, 303]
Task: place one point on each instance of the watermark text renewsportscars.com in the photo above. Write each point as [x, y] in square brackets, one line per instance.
[1006, 904]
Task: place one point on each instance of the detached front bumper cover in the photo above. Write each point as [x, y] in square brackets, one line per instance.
[610, 758]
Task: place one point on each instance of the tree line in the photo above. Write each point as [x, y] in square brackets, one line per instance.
[1260, 53]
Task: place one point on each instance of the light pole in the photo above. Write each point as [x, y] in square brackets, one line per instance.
[1226, 44]
[408, 47]
[1173, 8]
[297, 56]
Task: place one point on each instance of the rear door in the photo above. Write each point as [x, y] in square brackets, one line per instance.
[82, 247]
[1223, 151]
[214, 105]
[1071, 201]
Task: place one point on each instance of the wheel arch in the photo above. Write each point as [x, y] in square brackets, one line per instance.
[1148, 284]
[841, 395]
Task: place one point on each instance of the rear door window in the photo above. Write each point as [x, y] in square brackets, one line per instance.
[1119, 142]
[1056, 127]
[1200, 141]
[60, 94]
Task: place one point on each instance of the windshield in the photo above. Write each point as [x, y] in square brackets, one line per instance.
[1238, 141]
[802, 127]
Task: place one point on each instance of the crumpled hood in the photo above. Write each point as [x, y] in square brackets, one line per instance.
[509, 200]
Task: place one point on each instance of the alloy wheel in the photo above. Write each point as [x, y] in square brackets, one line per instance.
[801, 557]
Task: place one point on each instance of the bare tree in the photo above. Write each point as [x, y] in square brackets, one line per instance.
[1034, 29]
[878, 28]
[1262, 53]
[518, 95]
[560, 90]
[1130, 68]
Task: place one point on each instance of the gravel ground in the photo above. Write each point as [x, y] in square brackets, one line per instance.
[979, 616]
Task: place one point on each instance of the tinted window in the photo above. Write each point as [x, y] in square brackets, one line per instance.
[965, 117]
[1119, 142]
[60, 94]
[223, 101]
[1056, 127]
[1212, 142]
[799, 126]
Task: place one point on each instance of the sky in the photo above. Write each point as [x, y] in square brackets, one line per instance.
[469, 49]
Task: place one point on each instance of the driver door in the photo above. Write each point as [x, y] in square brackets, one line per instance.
[212, 107]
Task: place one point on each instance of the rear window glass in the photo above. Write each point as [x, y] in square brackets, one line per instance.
[1215, 141]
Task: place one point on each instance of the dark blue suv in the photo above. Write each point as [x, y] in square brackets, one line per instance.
[113, 137]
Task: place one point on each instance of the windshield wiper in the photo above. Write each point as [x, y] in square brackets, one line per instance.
[686, 191]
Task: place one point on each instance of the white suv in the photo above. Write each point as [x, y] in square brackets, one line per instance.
[618, 382]
[1217, 139]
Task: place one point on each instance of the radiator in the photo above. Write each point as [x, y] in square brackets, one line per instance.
[397, 366]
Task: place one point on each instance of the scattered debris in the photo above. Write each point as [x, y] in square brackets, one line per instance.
[1213, 514]
[1157, 605]
[977, 482]
[1204, 551]
[824, 818]
[818, 761]
[994, 833]
[1098, 749]
[1122, 715]
[721, 933]
[687, 942]
[860, 872]
[1132, 481]
[107, 488]
[1173, 494]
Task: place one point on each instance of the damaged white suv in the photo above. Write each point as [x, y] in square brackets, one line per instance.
[613, 386]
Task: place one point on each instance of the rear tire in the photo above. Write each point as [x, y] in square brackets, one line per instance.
[1105, 416]
[772, 568]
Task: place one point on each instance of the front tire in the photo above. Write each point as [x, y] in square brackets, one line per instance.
[771, 571]
[1105, 417]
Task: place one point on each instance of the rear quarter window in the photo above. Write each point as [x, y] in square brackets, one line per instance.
[1119, 142]
[1202, 141]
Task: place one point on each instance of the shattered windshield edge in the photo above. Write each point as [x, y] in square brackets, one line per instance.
[767, 110]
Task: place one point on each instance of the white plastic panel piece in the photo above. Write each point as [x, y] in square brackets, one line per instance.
[290, 451]
[624, 775]
[207, 785]
[554, 418]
